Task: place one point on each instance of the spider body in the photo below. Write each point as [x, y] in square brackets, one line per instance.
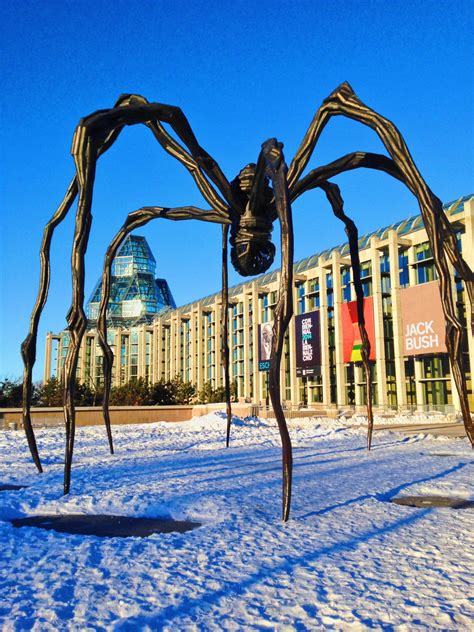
[252, 251]
[249, 206]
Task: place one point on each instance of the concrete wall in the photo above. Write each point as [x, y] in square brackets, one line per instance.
[92, 416]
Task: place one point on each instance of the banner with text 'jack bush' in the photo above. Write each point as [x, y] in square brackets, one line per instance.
[308, 344]
[351, 338]
[424, 328]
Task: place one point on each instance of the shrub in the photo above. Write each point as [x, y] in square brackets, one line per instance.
[134, 393]
[210, 395]
[11, 393]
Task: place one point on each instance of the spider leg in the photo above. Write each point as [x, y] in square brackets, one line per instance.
[356, 160]
[333, 194]
[28, 347]
[136, 110]
[85, 158]
[277, 171]
[134, 220]
[99, 129]
[225, 330]
[344, 102]
[195, 161]
[174, 149]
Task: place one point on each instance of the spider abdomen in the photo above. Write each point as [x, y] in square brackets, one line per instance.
[252, 251]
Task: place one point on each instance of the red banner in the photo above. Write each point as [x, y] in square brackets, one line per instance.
[351, 338]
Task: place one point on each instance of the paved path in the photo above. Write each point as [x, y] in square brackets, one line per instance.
[446, 428]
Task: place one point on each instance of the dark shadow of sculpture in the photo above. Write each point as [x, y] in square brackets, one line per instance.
[105, 526]
[7, 487]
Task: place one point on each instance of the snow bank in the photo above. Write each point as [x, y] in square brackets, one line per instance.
[348, 559]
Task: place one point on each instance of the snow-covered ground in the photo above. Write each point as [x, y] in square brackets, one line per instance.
[347, 560]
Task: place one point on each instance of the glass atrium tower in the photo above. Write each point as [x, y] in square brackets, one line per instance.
[136, 296]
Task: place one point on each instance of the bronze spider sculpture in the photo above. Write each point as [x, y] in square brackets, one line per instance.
[248, 205]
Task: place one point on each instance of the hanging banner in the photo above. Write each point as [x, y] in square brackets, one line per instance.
[424, 328]
[308, 344]
[265, 337]
[351, 339]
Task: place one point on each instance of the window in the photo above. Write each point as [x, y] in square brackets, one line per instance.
[300, 293]
[346, 284]
[424, 264]
[366, 277]
[313, 295]
[403, 267]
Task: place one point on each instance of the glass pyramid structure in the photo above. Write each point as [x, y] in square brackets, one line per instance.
[136, 296]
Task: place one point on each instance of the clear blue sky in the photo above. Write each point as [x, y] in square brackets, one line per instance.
[242, 72]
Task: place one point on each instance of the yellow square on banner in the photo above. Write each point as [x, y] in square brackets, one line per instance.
[356, 354]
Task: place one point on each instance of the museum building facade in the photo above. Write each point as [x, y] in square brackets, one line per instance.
[321, 366]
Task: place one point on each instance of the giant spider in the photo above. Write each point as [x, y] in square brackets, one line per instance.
[248, 205]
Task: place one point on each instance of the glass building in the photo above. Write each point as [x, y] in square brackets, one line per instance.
[136, 296]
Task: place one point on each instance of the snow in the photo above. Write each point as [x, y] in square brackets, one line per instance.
[347, 560]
